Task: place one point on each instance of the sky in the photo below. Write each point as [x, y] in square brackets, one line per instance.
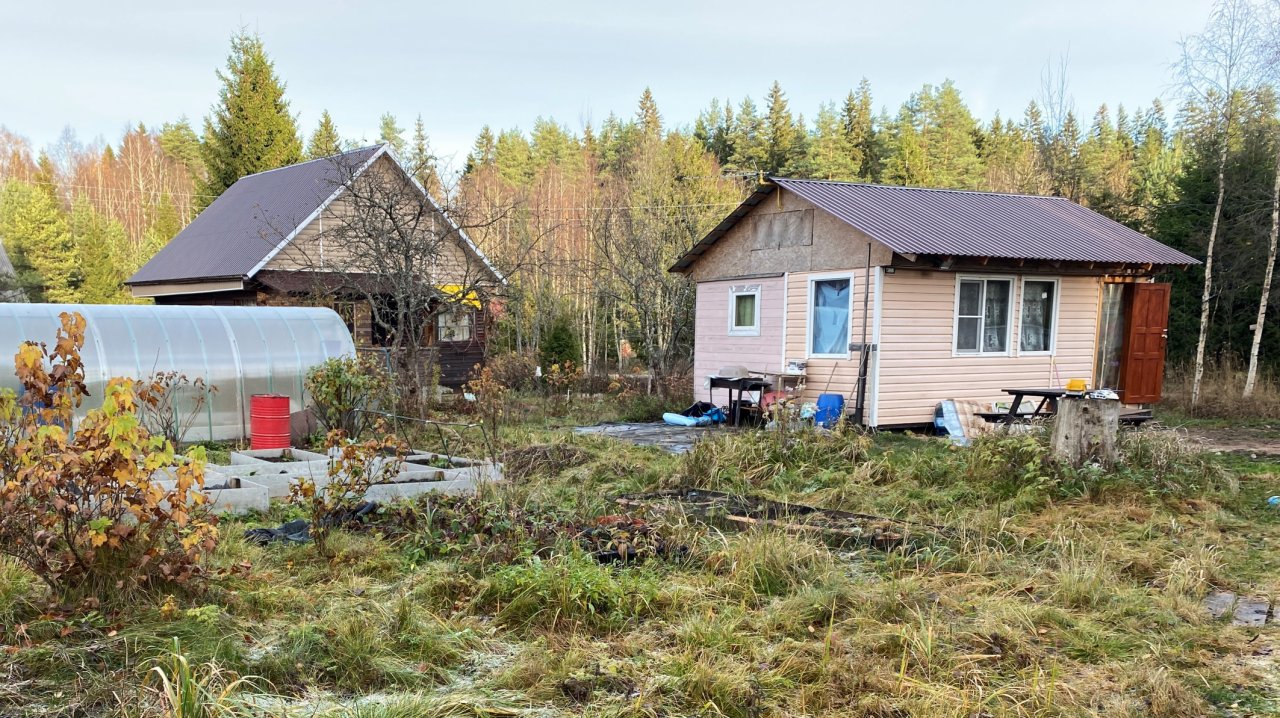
[100, 67]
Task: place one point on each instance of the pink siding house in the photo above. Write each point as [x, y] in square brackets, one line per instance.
[919, 295]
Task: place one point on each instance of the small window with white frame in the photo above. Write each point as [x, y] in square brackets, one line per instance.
[744, 310]
[454, 325]
[982, 321]
[1038, 327]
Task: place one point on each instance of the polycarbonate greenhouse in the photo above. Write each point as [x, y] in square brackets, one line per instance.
[241, 350]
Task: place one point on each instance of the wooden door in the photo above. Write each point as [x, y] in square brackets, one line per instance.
[1146, 331]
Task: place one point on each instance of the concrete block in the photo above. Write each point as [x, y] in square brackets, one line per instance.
[274, 456]
[229, 494]
[387, 493]
[278, 478]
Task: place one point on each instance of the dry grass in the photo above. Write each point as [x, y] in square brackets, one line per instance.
[1042, 598]
[1222, 392]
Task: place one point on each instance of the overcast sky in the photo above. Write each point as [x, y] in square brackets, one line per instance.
[463, 64]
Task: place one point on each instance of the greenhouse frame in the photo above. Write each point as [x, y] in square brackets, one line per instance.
[240, 350]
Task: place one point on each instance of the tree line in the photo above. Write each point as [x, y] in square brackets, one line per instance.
[600, 211]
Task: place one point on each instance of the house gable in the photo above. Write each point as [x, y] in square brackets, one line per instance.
[786, 233]
[307, 251]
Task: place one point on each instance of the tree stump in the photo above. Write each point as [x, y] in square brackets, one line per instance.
[1084, 430]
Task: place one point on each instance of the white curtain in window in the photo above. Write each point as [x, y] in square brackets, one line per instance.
[831, 316]
[1037, 316]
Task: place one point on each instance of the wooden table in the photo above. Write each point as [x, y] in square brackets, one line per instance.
[744, 384]
[1048, 405]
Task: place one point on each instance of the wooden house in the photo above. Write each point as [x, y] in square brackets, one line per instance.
[901, 297]
[263, 242]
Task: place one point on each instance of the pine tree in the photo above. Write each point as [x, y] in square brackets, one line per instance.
[859, 128]
[250, 129]
[391, 133]
[34, 230]
[179, 141]
[484, 150]
[422, 163]
[831, 153]
[513, 158]
[325, 141]
[552, 144]
[750, 148]
[782, 134]
[101, 281]
[647, 115]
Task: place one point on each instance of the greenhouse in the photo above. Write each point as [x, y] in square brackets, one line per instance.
[240, 350]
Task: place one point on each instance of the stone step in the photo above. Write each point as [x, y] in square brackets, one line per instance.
[1252, 611]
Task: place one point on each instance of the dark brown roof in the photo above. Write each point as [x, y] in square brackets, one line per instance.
[236, 235]
[913, 220]
[232, 237]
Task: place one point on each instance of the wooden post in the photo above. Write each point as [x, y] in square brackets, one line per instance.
[1085, 430]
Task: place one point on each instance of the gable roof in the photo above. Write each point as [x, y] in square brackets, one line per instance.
[915, 220]
[257, 217]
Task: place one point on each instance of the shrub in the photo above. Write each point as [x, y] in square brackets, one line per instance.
[81, 512]
[344, 390]
[160, 399]
[491, 398]
[353, 468]
[560, 344]
[516, 371]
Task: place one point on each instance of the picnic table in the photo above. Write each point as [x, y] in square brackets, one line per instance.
[1048, 406]
[744, 384]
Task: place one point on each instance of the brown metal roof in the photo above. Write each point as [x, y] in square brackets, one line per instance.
[913, 220]
[247, 222]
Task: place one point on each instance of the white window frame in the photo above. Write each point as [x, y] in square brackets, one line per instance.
[808, 316]
[742, 290]
[982, 318]
[1057, 302]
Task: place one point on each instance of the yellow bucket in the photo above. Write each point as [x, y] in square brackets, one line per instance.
[1077, 386]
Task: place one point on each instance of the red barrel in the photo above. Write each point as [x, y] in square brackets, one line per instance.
[269, 421]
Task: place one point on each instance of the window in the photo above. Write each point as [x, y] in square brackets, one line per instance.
[454, 325]
[1039, 315]
[347, 310]
[982, 315]
[744, 310]
[829, 302]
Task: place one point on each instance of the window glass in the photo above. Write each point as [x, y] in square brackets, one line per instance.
[454, 325]
[829, 318]
[967, 330]
[1038, 298]
[995, 320]
[970, 298]
[744, 311]
[982, 315]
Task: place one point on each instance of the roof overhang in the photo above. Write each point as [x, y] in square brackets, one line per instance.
[169, 289]
[686, 260]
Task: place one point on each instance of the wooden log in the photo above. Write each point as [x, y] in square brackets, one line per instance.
[1085, 430]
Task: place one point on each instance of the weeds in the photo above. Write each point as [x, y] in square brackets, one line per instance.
[204, 691]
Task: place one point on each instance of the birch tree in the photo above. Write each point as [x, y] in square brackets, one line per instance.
[1270, 57]
[1213, 67]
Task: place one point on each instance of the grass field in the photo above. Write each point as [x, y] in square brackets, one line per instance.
[1043, 592]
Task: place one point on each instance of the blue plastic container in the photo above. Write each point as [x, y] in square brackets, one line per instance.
[830, 409]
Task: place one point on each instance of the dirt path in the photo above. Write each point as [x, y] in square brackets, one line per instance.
[1261, 440]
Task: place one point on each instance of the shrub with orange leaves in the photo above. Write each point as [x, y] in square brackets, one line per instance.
[79, 508]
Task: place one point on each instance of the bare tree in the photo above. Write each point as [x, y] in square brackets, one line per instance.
[1214, 66]
[409, 256]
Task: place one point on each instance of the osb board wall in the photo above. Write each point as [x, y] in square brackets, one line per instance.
[786, 233]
